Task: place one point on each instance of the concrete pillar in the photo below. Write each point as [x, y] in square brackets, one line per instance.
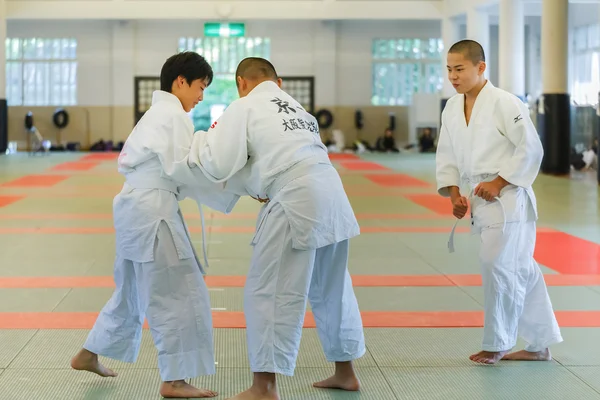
[122, 75]
[450, 35]
[478, 29]
[512, 47]
[533, 77]
[325, 45]
[554, 123]
[325, 95]
[3, 104]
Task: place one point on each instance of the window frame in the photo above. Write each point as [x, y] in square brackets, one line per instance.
[420, 65]
[19, 61]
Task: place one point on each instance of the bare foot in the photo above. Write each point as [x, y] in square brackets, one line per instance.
[87, 361]
[183, 390]
[350, 384]
[524, 355]
[344, 378]
[488, 357]
[253, 394]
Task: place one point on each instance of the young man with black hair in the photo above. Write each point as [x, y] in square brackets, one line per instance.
[489, 145]
[267, 146]
[157, 273]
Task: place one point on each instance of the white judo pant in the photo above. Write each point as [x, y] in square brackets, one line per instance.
[172, 295]
[516, 299]
[280, 281]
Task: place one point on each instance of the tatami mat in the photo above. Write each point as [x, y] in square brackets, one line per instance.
[58, 250]
[475, 383]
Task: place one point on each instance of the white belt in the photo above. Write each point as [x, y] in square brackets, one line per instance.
[299, 170]
[451, 239]
[147, 182]
[204, 238]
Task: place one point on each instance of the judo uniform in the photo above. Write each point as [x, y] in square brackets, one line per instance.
[157, 272]
[266, 145]
[500, 140]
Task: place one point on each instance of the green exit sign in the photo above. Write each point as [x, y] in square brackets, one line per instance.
[215, 29]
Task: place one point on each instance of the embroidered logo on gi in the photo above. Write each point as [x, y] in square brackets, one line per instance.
[283, 106]
[300, 124]
[213, 125]
[518, 118]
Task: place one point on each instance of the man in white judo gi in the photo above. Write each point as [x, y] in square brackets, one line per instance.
[267, 146]
[157, 273]
[489, 145]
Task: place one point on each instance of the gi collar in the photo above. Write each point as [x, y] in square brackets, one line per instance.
[487, 88]
[265, 87]
[160, 95]
[488, 85]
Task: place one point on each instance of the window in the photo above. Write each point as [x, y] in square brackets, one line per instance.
[224, 55]
[41, 72]
[402, 67]
[585, 65]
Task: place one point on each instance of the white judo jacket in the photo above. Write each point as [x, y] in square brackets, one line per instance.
[154, 162]
[500, 139]
[260, 144]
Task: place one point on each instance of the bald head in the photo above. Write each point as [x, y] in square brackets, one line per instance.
[256, 69]
[470, 49]
[466, 67]
[253, 71]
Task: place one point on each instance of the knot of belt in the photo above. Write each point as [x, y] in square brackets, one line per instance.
[497, 198]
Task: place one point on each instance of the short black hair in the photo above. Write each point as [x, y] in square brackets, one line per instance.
[189, 64]
[255, 68]
[470, 49]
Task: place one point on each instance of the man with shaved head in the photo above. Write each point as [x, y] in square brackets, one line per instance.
[488, 145]
[267, 146]
[255, 68]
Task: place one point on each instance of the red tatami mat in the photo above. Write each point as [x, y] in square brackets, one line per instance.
[7, 200]
[567, 254]
[396, 180]
[36, 181]
[74, 166]
[100, 156]
[550, 279]
[238, 281]
[343, 156]
[413, 229]
[235, 319]
[362, 166]
[434, 202]
[223, 229]
[217, 216]
[44, 230]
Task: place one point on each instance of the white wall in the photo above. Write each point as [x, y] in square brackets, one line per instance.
[337, 53]
[291, 43]
[584, 14]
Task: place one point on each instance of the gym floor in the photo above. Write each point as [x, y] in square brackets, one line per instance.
[422, 307]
